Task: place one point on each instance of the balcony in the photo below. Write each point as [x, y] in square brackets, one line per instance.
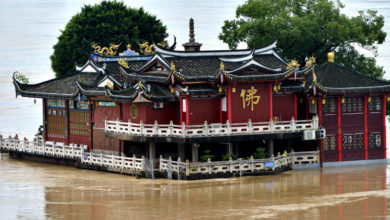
[140, 131]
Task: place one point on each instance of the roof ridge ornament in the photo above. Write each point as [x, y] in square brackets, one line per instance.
[105, 50]
[293, 64]
[311, 60]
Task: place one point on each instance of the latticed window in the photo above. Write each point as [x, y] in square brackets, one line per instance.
[352, 105]
[354, 141]
[79, 121]
[375, 104]
[329, 106]
[55, 103]
[326, 143]
[330, 143]
[375, 140]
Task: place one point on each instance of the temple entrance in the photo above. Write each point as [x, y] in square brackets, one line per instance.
[130, 148]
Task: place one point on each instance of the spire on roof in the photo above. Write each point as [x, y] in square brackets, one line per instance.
[192, 45]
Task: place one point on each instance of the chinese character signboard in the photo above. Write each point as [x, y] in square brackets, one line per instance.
[249, 98]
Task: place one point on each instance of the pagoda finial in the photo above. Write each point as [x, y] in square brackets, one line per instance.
[191, 45]
[192, 34]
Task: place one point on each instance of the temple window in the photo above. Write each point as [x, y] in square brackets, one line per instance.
[352, 105]
[375, 104]
[329, 106]
[375, 140]
[55, 103]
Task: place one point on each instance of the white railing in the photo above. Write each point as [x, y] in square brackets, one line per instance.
[306, 157]
[61, 150]
[122, 162]
[215, 129]
[231, 166]
[38, 147]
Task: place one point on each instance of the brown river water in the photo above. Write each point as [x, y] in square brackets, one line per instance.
[30, 190]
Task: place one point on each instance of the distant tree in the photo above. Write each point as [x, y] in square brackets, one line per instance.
[103, 24]
[306, 28]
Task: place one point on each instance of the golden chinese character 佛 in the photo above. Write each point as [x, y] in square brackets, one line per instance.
[249, 98]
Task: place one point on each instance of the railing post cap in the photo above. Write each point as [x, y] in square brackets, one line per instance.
[208, 160]
[155, 122]
[161, 157]
[252, 157]
[230, 158]
[178, 159]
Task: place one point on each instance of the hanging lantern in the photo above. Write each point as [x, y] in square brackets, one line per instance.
[35, 101]
[301, 100]
[172, 89]
[219, 88]
[323, 101]
[279, 86]
[313, 101]
[369, 99]
[343, 100]
[388, 98]
[275, 88]
[234, 90]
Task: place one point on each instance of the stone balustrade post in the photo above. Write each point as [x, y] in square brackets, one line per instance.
[230, 164]
[63, 150]
[134, 162]
[227, 127]
[178, 165]
[155, 127]
[271, 125]
[141, 127]
[292, 123]
[101, 159]
[315, 122]
[252, 163]
[250, 126]
[170, 129]
[112, 159]
[122, 161]
[143, 163]
[160, 163]
[209, 164]
[187, 167]
[129, 127]
[183, 129]
[205, 128]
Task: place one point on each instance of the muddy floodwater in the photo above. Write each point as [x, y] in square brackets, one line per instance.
[30, 190]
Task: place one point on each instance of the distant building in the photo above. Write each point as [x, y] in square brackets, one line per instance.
[180, 103]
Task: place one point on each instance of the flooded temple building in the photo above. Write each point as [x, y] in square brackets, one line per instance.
[184, 104]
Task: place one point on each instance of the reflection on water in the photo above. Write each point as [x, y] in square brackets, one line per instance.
[34, 190]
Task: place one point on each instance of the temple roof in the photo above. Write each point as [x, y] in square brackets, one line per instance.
[62, 87]
[336, 78]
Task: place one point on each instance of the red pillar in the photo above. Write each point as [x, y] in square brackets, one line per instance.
[91, 121]
[187, 110]
[320, 142]
[339, 129]
[44, 119]
[384, 124]
[270, 101]
[67, 140]
[365, 143]
[181, 110]
[220, 110]
[229, 103]
[295, 107]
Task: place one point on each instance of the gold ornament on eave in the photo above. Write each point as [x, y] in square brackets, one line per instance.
[123, 63]
[112, 50]
[310, 61]
[222, 67]
[293, 64]
[173, 67]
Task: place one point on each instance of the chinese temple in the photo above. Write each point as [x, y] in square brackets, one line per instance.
[183, 103]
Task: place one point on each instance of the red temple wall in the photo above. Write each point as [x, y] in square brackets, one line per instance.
[100, 142]
[56, 124]
[283, 107]
[79, 124]
[204, 109]
[148, 114]
[261, 111]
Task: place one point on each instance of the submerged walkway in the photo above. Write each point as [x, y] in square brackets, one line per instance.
[165, 167]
